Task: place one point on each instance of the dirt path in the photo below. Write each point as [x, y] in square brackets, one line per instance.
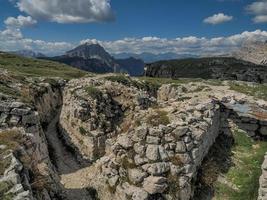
[73, 175]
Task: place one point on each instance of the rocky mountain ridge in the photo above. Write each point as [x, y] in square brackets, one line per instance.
[150, 57]
[94, 58]
[223, 68]
[255, 52]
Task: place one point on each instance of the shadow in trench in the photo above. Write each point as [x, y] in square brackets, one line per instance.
[64, 158]
[81, 194]
[218, 161]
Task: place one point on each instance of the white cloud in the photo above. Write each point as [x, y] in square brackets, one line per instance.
[259, 10]
[11, 40]
[11, 33]
[185, 45]
[20, 21]
[218, 19]
[68, 11]
[260, 19]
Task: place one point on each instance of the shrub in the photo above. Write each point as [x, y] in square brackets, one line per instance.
[82, 130]
[160, 117]
[258, 90]
[93, 92]
[12, 139]
[4, 188]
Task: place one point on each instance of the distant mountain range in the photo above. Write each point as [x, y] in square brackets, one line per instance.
[150, 57]
[28, 53]
[94, 58]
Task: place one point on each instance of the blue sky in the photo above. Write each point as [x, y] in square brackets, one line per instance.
[118, 19]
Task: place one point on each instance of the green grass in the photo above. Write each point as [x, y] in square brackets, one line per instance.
[258, 90]
[120, 79]
[4, 188]
[160, 117]
[247, 156]
[35, 68]
[125, 81]
[82, 130]
[8, 90]
[93, 92]
[12, 140]
[161, 81]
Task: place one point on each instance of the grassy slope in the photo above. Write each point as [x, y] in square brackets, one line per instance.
[27, 67]
[247, 156]
[258, 91]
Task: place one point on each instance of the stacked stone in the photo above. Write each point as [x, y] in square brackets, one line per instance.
[19, 186]
[162, 160]
[263, 181]
[17, 114]
[251, 118]
[22, 118]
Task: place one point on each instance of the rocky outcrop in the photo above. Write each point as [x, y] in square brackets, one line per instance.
[150, 148]
[48, 99]
[255, 52]
[208, 68]
[263, 180]
[30, 173]
[136, 145]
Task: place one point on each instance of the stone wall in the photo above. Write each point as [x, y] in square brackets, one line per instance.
[132, 158]
[31, 173]
[263, 181]
[161, 162]
[252, 119]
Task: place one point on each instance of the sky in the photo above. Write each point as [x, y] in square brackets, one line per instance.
[180, 26]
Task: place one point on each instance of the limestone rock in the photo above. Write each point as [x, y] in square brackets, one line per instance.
[136, 175]
[155, 185]
[152, 152]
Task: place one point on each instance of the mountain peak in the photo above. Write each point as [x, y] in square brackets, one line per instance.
[91, 51]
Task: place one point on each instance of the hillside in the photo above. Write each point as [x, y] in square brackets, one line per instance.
[208, 68]
[20, 76]
[28, 67]
[150, 57]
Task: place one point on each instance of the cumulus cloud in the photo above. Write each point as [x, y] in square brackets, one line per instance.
[202, 46]
[20, 21]
[185, 45]
[218, 19]
[11, 33]
[68, 11]
[259, 10]
[11, 38]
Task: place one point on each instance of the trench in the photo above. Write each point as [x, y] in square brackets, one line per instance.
[64, 158]
[65, 161]
[232, 168]
[75, 174]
